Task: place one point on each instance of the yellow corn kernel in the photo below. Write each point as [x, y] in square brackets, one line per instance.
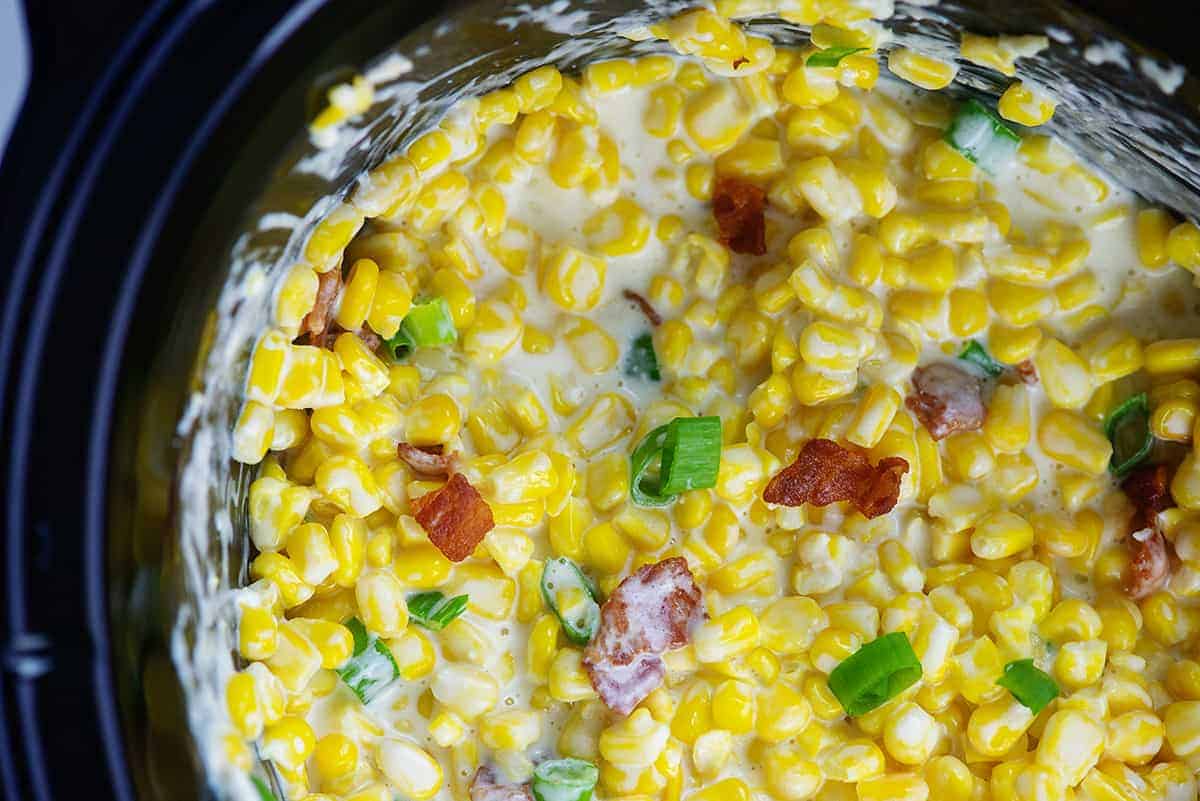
[1172, 356]
[1079, 664]
[1182, 725]
[573, 279]
[924, 71]
[968, 312]
[1025, 105]
[1070, 745]
[754, 157]
[1112, 353]
[433, 420]
[894, 787]
[1183, 246]
[331, 235]
[771, 400]
[727, 635]
[699, 181]
[716, 117]
[1017, 304]
[594, 349]
[1065, 376]
[381, 605]
[809, 87]
[511, 730]
[995, 727]
[790, 777]
[733, 706]
[1153, 229]
[1014, 345]
[242, 704]
[1174, 420]
[647, 529]
[288, 742]
[1007, 426]
[873, 415]
[538, 88]
[1070, 439]
[818, 128]
[618, 230]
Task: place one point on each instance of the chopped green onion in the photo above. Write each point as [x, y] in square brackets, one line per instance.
[690, 449]
[831, 56]
[976, 355]
[1029, 685]
[433, 610]
[982, 137]
[1128, 429]
[426, 325]
[641, 360]
[564, 780]
[371, 668]
[875, 673]
[264, 791]
[572, 598]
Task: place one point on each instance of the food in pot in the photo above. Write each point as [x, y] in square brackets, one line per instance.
[741, 423]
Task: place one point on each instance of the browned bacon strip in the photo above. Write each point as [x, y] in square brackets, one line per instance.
[946, 399]
[316, 323]
[654, 317]
[428, 460]
[738, 207]
[1027, 372]
[455, 516]
[651, 611]
[824, 472]
[486, 786]
[1150, 559]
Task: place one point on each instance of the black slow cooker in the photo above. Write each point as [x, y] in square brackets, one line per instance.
[153, 136]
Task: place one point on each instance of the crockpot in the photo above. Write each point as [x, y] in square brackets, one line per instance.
[159, 146]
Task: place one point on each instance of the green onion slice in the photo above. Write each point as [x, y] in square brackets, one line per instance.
[426, 325]
[641, 360]
[975, 353]
[573, 599]
[875, 673]
[831, 56]
[564, 780]
[1029, 685]
[980, 135]
[371, 668]
[264, 791]
[1128, 429]
[433, 610]
[690, 449]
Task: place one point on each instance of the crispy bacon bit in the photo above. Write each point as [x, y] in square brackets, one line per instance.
[316, 323]
[654, 317]
[651, 611]
[455, 516]
[369, 338]
[1150, 564]
[946, 399]
[739, 61]
[824, 472]
[486, 786]
[1027, 372]
[428, 460]
[738, 208]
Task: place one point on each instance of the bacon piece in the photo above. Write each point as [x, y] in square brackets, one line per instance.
[486, 786]
[654, 317]
[455, 516]
[651, 611]
[1027, 372]
[824, 472]
[316, 323]
[738, 208]
[1150, 563]
[428, 460]
[946, 399]
[369, 338]
[739, 61]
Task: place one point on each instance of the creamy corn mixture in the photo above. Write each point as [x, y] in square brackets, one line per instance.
[524, 220]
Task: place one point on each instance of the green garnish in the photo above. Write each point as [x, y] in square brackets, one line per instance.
[1128, 429]
[564, 780]
[974, 353]
[982, 137]
[690, 451]
[433, 610]
[572, 598]
[426, 325]
[264, 792]
[1029, 685]
[371, 667]
[641, 359]
[875, 673]
[831, 56]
